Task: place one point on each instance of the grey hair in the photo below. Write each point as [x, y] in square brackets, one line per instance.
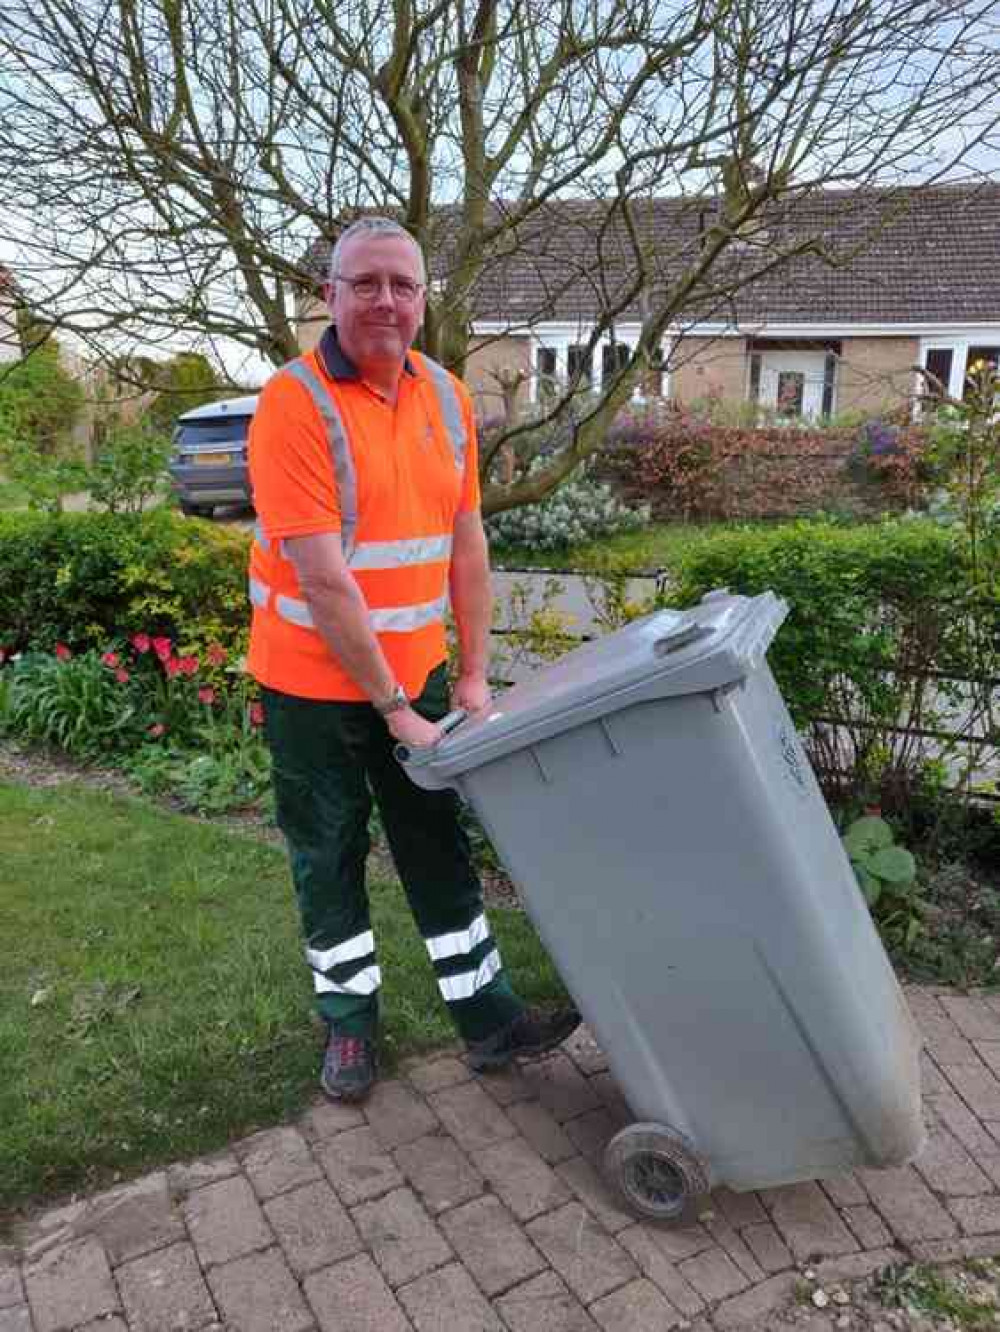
[373, 226]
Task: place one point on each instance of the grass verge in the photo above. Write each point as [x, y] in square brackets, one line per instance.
[153, 999]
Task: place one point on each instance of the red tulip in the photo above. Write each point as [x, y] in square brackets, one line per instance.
[141, 642]
[122, 675]
[188, 665]
[206, 695]
[172, 666]
[157, 729]
[256, 714]
[161, 646]
[110, 659]
[63, 652]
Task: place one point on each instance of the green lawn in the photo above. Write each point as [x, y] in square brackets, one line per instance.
[655, 547]
[12, 496]
[153, 998]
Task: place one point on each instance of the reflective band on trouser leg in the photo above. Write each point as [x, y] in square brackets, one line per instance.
[465, 960]
[346, 968]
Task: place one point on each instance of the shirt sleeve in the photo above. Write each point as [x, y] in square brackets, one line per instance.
[291, 471]
[471, 499]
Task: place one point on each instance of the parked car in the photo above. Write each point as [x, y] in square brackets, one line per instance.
[209, 462]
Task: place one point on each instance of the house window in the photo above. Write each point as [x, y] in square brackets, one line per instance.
[545, 370]
[614, 357]
[977, 356]
[791, 392]
[829, 383]
[938, 364]
[755, 376]
[580, 362]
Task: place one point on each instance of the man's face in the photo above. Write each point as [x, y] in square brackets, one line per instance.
[380, 329]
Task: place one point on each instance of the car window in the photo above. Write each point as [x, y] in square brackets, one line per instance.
[220, 430]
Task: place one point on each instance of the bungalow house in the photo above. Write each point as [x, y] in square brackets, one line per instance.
[884, 281]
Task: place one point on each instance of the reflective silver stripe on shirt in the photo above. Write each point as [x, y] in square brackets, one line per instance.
[395, 554]
[365, 982]
[458, 941]
[258, 592]
[401, 619]
[262, 538]
[388, 620]
[451, 410]
[322, 959]
[468, 983]
[340, 450]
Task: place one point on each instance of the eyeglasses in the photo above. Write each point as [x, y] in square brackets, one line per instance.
[369, 288]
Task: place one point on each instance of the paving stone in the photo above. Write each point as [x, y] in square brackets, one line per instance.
[763, 1299]
[186, 1176]
[468, 1114]
[954, 1250]
[70, 1284]
[549, 1139]
[595, 1193]
[909, 1207]
[974, 1018]
[644, 1244]
[977, 1216]
[136, 1218]
[439, 1171]
[585, 1053]
[507, 1086]
[612, 1096]
[844, 1191]
[948, 1168]
[278, 1160]
[868, 1226]
[640, 1306]
[403, 1239]
[931, 1077]
[713, 1274]
[11, 1287]
[353, 1297]
[398, 1115]
[978, 1088]
[435, 1074]
[327, 1118]
[584, 1254]
[767, 1246]
[561, 1087]
[491, 1245]
[856, 1266]
[447, 1301]
[259, 1294]
[15, 1318]
[225, 1221]
[949, 1109]
[592, 1132]
[739, 1209]
[111, 1323]
[358, 1166]
[949, 1048]
[522, 1179]
[164, 1291]
[728, 1239]
[312, 1227]
[545, 1304]
[807, 1221]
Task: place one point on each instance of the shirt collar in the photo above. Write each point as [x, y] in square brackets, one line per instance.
[336, 362]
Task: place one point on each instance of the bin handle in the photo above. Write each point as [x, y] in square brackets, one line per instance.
[422, 753]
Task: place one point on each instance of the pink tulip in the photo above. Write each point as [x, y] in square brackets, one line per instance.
[110, 659]
[256, 714]
[216, 655]
[188, 665]
[63, 652]
[161, 646]
[206, 695]
[141, 642]
[122, 675]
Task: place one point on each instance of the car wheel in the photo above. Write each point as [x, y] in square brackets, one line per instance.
[197, 510]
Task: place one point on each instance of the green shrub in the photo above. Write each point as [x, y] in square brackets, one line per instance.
[580, 510]
[875, 616]
[88, 580]
[129, 468]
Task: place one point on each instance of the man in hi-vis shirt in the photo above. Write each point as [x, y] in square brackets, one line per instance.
[364, 472]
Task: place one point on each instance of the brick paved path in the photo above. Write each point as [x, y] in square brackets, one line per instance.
[456, 1204]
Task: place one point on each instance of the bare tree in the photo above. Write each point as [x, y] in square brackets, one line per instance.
[165, 165]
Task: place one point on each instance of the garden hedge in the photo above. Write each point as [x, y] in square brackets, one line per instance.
[88, 579]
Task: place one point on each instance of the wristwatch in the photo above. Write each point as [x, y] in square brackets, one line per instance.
[394, 703]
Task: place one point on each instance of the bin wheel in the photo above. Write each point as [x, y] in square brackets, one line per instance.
[657, 1173]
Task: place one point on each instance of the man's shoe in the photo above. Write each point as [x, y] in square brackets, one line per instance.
[531, 1034]
[348, 1067]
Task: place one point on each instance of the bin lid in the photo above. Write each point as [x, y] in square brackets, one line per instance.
[663, 655]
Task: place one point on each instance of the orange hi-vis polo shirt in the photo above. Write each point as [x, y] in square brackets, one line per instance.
[328, 454]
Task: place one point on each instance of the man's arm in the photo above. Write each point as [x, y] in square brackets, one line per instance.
[472, 606]
[341, 616]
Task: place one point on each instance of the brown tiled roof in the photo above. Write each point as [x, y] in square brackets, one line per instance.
[928, 254]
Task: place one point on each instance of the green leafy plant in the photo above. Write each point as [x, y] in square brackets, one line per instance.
[887, 875]
[70, 702]
[580, 510]
[129, 468]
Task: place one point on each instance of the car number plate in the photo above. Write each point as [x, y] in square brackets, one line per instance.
[212, 459]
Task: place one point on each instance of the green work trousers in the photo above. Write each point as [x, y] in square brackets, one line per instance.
[329, 760]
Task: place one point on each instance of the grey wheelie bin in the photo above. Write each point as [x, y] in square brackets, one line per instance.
[651, 799]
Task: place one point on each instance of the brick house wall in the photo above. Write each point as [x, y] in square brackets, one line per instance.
[875, 373]
[703, 366]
